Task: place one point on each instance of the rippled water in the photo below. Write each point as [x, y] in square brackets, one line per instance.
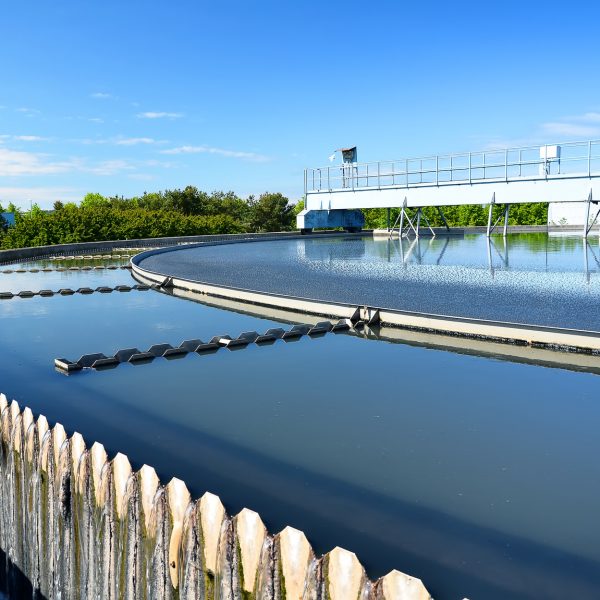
[527, 278]
[477, 475]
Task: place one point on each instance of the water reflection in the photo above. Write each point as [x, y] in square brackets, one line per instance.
[537, 279]
[540, 252]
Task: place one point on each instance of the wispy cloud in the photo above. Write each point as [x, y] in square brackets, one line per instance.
[24, 138]
[101, 95]
[107, 167]
[28, 111]
[159, 115]
[16, 163]
[43, 196]
[120, 141]
[95, 120]
[253, 156]
[135, 141]
[585, 125]
[141, 176]
[30, 138]
[563, 129]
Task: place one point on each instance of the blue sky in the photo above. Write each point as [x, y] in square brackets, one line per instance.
[123, 97]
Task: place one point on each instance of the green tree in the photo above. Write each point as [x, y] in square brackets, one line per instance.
[270, 212]
[94, 199]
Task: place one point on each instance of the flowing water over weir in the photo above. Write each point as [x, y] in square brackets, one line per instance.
[77, 525]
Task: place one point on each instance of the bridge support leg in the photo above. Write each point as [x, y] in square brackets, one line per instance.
[504, 214]
[388, 218]
[587, 226]
[443, 218]
[489, 225]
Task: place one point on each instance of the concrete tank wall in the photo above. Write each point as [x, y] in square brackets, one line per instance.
[74, 524]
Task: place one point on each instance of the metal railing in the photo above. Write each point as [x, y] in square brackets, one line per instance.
[575, 159]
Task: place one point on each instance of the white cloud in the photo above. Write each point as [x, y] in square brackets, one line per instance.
[586, 125]
[591, 117]
[30, 138]
[28, 111]
[220, 151]
[95, 120]
[159, 115]
[44, 196]
[15, 163]
[141, 176]
[101, 95]
[107, 167]
[135, 141]
[571, 130]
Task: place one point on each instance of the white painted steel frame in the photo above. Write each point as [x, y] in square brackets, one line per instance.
[576, 160]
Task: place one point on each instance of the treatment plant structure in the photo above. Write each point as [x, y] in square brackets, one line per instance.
[557, 174]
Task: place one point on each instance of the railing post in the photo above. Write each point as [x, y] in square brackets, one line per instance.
[506, 165]
[469, 167]
[305, 182]
[329, 178]
[437, 170]
[379, 175]
[406, 171]
[590, 158]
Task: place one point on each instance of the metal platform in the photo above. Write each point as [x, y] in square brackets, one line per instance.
[567, 172]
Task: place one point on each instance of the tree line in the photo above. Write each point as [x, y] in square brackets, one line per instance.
[158, 214]
[191, 211]
[467, 215]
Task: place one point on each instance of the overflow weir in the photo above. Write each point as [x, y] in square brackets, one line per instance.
[78, 525]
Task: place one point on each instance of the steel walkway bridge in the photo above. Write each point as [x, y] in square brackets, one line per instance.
[553, 173]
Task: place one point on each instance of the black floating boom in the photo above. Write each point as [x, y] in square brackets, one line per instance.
[134, 355]
[82, 290]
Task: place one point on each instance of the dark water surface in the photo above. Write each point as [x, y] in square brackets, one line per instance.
[527, 278]
[479, 476]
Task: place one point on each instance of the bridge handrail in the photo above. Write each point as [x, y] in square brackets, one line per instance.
[509, 164]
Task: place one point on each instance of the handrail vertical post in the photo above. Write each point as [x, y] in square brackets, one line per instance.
[590, 158]
[469, 167]
[406, 171]
[379, 175]
[329, 178]
[437, 170]
[506, 165]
